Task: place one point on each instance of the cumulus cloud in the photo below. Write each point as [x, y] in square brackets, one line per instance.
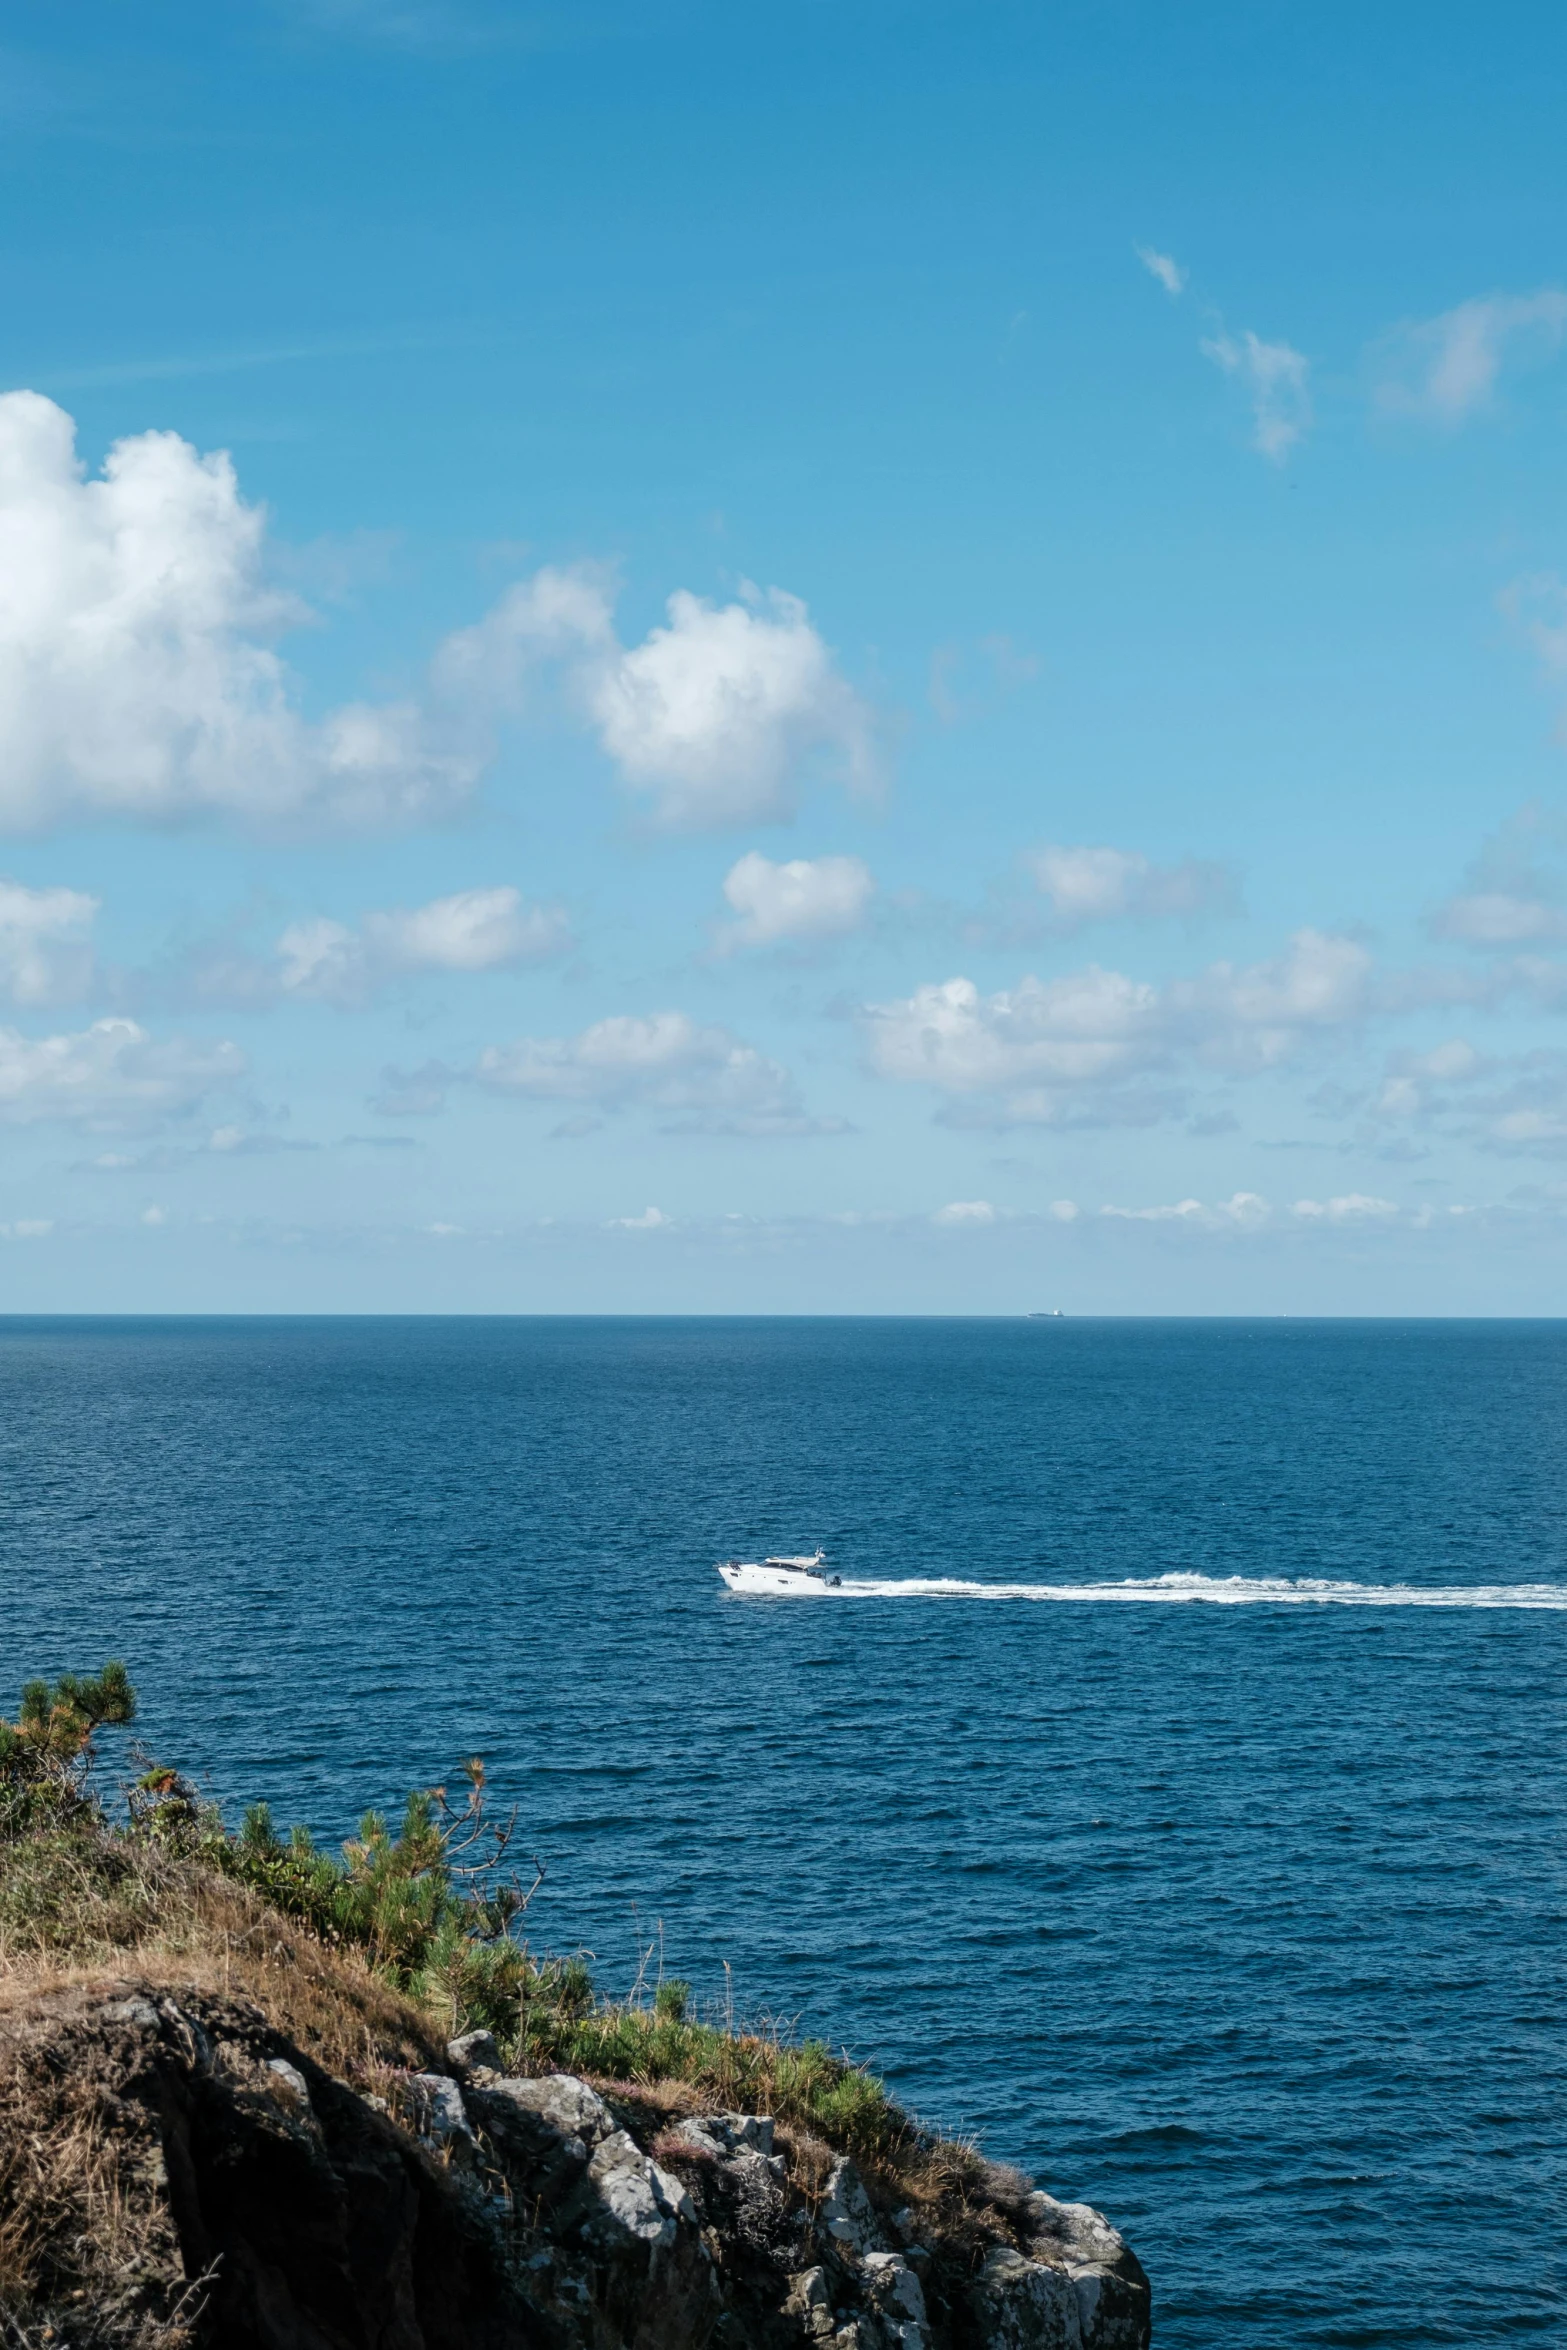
[650, 1220]
[696, 1079]
[46, 952]
[1257, 1015]
[1080, 1049]
[711, 718]
[965, 1211]
[1169, 273]
[112, 1074]
[1445, 369]
[473, 930]
[807, 898]
[1274, 377]
[137, 675]
[711, 714]
[1085, 885]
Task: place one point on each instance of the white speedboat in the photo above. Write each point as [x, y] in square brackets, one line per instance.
[779, 1575]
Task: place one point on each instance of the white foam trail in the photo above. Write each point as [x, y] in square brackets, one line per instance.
[1212, 1591]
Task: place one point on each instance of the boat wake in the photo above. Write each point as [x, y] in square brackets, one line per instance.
[1198, 1590]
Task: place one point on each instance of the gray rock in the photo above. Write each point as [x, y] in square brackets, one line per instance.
[1023, 2304]
[729, 2133]
[1112, 2291]
[567, 2105]
[290, 2079]
[631, 2197]
[542, 2132]
[740, 2144]
[846, 2213]
[439, 2108]
[809, 2303]
[475, 2052]
[894, 2291]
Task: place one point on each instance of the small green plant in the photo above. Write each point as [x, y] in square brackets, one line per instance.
[433, 1906]
[55, 1724]
[46, 1754]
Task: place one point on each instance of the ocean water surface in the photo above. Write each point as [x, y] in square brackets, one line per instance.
[1179, 1803]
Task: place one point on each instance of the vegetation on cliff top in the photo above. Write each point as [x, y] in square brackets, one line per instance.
[376, 1955]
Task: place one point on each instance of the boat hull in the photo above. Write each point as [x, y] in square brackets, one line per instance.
[791, 1582]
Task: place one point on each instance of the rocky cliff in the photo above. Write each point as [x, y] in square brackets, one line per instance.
[176, 2170]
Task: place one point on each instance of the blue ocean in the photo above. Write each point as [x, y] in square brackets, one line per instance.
[1204, 1850]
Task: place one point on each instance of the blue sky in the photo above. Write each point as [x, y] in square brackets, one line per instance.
[878, 657]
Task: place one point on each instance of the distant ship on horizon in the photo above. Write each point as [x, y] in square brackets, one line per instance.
[1045, 1314]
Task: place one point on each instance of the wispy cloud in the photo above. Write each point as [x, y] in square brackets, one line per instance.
[112, 1074]
[1446, 369]
[175, 367]
[1169, 273]
[1084, 884]
[694, 1078]
[1512, 895]
[1275, 378]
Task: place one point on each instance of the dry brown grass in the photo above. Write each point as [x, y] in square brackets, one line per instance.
[87, 2247]
[174, 1925]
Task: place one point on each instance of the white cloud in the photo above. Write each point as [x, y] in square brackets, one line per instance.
[1408, 1090]
[1274, 375]
[1256, 1016]
[137, 678]
[698, 1079]
[1446, 369]
[1064, 1211]
[1499, 918]
[1102, 884]
[1077, 1050]
[45, 943]
[1065, 1034]
[1169, 273]
[28, 1228]
[1511, 898]
[650, 1220]
[809, 897]
[965, 1211]
[711, 716]
[111, 1074]
[1353, 1207]
[473, 930]
[1244, 1211]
